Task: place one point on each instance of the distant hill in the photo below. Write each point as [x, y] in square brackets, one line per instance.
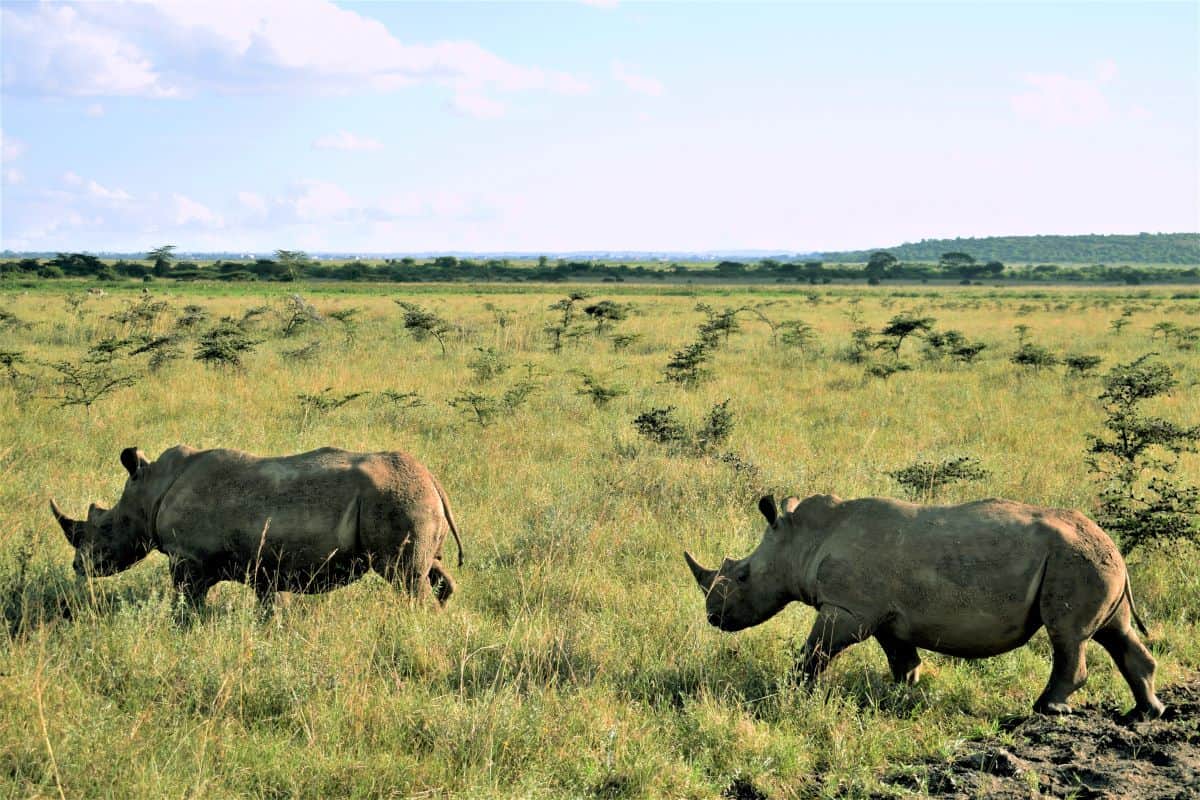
[1142, 248]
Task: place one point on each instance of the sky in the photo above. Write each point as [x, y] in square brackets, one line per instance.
[574, 126]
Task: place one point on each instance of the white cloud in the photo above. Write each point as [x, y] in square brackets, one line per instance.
[13, 176]
[95, 110]
[471, 104]
[605, 4]
[317, 201]
[104, 193]
[640, 84]
[1061, 100]
[252, 201]
[10, 148]
[53, 49]
[1058, 99]
[162, 49]
[188, 211]
[93, 189]
[345, 140]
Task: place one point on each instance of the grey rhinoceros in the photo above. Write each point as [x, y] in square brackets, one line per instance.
[302, 523]
[970, 580]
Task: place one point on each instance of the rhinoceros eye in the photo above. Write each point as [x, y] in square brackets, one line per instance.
[743, 576]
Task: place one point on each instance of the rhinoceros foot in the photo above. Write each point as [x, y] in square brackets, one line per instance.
[1053, 709]
[1144, 713]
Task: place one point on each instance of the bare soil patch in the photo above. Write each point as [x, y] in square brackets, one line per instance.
[1089, 754]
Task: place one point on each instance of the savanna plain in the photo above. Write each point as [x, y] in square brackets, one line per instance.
[574, 659]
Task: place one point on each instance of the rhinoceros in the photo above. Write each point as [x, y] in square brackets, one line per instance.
[302, 523]
[970, 580]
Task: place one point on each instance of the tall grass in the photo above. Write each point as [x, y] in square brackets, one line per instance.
[575, 659]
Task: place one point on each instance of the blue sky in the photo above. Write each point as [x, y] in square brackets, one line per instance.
[551, 127]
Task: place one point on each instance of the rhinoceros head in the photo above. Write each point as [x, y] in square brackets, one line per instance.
[747, 591]
[111, 540]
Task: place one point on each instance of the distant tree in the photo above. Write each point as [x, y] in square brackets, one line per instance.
[292, 264]
[878, 265]
[162, 258]
[606, 313]
[900, 327]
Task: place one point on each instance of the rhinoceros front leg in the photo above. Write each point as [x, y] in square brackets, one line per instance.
[191, 581]
[834, 630]
[902, 658]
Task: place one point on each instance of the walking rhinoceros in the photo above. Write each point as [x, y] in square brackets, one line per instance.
[300, 523]
[971, 580]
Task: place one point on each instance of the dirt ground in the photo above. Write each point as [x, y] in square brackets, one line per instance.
[1090, 754]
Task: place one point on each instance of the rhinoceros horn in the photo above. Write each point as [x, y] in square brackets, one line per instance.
[703, 576]
[72, 528]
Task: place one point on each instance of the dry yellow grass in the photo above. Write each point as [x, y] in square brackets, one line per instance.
[575, 659]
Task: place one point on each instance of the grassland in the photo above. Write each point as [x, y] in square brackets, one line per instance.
[575, 659]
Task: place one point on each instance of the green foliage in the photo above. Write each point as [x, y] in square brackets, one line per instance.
[163, 349]
[1080, 364]
[1033, 356]
[303, 353]
[346, 317]
[484, 408]
[95, 375]
[488, 364]
[162, 258]
[797, 334]
[718, 326]
[192, 317]
[297, 314]
[714, 431]
[689, 366]
[886, 369]
[600, 393]
[660, 425]
[1159, 248]
[899, 328]
[224, 344]
[423, 324]
[324, 402]
[140, 314]
[1135, 459]
[924, 480]
[606, 313]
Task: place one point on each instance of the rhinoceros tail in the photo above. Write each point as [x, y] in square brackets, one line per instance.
[449, 516]
[1141, 626]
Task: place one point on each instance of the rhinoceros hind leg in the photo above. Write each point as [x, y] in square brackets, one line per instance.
[1135, 663]
[402, 574]
[834, 630]
[441, 582]
[1067, 673]
[902, 658]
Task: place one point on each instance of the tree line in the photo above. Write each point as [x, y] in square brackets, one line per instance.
[291, 265]
[1142, 248]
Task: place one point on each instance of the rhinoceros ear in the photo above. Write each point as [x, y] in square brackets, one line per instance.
[134, 461]
[767, 506]
[791, 504]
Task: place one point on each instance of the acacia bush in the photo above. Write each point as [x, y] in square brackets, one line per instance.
[1136, 457]
[925, 480]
